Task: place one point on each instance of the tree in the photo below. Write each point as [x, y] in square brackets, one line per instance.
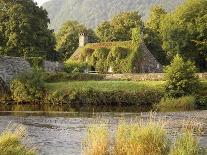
[181, 28]
[24, 29]
[180, 78]
[120, 27]
[68, 37]
[104, 32]
[153, 37]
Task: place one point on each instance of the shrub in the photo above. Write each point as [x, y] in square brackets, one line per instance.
[184, 103]
[96, 141]
[75, 67]
[28, 86]
[110, 98]
[186, 144]
[35, 62]
[62, 76]
[180, 78]
[11, 143]
[201, 101]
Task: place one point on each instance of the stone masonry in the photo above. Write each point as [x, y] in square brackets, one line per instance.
[11, 66]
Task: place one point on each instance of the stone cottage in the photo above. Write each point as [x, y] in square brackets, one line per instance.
[148, 63]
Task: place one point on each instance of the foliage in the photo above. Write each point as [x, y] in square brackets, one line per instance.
[136, 36]
[182, 103]
[28, 87]
[74, 67]
[98, 59]
[180, 78]
[181, 29]
[68, 37]
[11, 142]
[86, 97]
[24, 29]
[62, 76]
[35, 62]
[111, 54]
[120, 27]
[186, 144]
[96, 141]
[152, 35]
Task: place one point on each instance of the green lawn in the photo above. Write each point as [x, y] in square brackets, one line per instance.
[129, 86]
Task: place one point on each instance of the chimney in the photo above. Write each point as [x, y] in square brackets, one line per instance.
[83, 39]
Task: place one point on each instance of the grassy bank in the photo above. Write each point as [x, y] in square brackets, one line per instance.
[128, 86]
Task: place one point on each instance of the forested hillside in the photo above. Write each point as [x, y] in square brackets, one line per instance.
[92, 12]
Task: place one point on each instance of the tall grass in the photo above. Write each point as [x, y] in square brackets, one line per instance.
[149, 138]
[11, 142]
[182, 103]
[186, 144]
[140, 139]
[96, 141]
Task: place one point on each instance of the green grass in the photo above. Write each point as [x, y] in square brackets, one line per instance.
[128, 86]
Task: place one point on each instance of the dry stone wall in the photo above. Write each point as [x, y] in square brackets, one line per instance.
[11, 66]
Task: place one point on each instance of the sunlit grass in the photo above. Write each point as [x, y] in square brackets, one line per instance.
[147, 137]
[11, 142]
[96, 141]
[141, 139]
[130, 86]
[182, 103]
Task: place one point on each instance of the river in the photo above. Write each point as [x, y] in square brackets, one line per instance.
[62, 133]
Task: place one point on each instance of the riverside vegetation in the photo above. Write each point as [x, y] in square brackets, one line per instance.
[149, 138]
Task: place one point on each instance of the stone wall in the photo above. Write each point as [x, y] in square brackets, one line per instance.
[53, 66]
[11, 66]
[145, 76]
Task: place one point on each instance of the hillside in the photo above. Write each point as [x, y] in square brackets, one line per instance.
[92, 12]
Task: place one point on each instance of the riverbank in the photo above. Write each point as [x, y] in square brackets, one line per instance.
[98, 93]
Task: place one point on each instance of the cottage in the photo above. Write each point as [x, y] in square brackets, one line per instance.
[116, 57]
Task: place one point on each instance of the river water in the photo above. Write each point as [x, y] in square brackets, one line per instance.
[62, 133]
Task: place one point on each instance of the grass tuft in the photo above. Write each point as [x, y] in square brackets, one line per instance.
[11, 142]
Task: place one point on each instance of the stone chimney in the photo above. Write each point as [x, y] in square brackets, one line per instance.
[83, 39]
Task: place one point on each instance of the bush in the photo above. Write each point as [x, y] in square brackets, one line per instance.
[35, 62]
[75, 67]
[62, 76]
[28, 87]
[201, 101]
[184, 103]
[180, 78]
[11, 143]
[110, 98]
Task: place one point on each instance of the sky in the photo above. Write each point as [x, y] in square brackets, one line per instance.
[40, 2]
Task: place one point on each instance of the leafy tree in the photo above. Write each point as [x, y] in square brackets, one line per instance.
[24, 29]
[104, 32]
[181, 28]
[180, 78]
[120, 27]
[152, 37]
[68, 37]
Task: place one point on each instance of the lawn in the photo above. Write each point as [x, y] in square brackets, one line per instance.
[129, 86]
